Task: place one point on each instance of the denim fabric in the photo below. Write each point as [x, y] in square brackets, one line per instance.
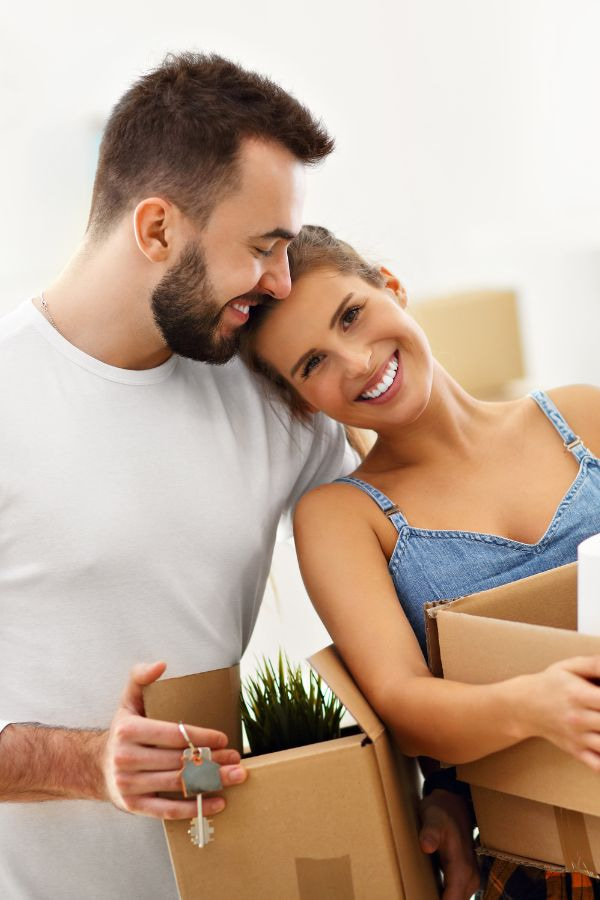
[435, 565]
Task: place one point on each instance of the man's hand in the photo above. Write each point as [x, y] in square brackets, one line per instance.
[129, 764]
[142, 757]
[446, 829]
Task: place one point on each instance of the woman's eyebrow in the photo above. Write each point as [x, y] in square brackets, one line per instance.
[340, 308]
[334, 319]
[304, 356]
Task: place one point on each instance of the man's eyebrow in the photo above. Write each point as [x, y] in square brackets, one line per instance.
[277, 233]
[334, 319]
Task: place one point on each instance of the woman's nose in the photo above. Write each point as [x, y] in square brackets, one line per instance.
[358, 362]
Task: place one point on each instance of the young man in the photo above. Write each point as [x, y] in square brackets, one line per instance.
[140, 487]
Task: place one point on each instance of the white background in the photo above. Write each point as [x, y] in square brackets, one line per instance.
[468, 146]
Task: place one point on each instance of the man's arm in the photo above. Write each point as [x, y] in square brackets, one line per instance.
[42, 763]
[128, 765]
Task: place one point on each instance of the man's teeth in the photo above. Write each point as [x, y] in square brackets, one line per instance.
[386, 380]
[243, 308]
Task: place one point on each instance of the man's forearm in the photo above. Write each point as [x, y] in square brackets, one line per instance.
[38, 762]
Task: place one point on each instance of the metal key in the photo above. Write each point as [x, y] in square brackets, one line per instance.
[199, 774]
[201, 830]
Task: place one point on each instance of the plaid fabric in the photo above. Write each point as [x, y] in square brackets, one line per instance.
[504, 880]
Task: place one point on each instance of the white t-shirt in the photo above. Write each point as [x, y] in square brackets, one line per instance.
[138, 512]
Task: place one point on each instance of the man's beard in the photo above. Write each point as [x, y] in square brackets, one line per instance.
[187, 313]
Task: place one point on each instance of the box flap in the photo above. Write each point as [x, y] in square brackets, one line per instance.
[328, 664]
[547, 598]
[210, 699]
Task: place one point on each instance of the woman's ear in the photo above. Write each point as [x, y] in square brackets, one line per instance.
[393, 285]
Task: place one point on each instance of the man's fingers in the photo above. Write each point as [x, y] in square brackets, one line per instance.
[140, 676]
[160, 808]
[135, 729]
[148, 759]
[227, 757]
[130, 783]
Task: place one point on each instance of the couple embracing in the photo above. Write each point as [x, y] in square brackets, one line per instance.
[145, 463]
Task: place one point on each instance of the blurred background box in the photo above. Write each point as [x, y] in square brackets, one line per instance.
[476, 337]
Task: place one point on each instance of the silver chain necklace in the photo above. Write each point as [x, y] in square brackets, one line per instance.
[46, 310]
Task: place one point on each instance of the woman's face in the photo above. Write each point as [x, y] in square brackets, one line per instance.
[350, 350]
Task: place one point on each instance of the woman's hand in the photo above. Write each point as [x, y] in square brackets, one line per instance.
[562, 704]
[446, 829]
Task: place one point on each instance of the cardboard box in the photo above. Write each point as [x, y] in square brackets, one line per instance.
[330, 821]
[476, 336]
[534, 803]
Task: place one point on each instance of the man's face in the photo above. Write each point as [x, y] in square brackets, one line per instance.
[201, 303]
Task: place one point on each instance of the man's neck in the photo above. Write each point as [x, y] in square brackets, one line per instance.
[100, 303]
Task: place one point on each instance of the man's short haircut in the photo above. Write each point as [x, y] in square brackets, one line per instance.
[177, 131]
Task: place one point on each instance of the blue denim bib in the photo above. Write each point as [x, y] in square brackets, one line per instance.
[438, 564]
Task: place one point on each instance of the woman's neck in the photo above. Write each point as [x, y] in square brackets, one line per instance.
[454, 426]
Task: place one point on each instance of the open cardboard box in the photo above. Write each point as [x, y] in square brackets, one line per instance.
[330, 821]
[534, 803]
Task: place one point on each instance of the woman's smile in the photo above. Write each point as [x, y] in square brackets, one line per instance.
[348, 347]
[385, 384]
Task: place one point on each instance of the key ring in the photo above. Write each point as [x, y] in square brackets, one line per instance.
[183, 730]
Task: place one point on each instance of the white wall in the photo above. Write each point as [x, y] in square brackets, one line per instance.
[468, 137]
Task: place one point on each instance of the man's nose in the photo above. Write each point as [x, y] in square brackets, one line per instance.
[276, 280]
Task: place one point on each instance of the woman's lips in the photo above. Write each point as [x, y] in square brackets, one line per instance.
[391, 390]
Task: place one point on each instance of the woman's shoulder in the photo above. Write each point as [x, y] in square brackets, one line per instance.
[338, 501]
[579, 404]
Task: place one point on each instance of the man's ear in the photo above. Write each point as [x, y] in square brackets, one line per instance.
[392, 284]
[153, 220]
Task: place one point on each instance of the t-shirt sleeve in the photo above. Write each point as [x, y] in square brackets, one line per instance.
[329, 456]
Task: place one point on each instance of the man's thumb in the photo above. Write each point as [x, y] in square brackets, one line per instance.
[141, 675]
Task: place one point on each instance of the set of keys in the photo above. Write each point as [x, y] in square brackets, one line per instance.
[199, 775]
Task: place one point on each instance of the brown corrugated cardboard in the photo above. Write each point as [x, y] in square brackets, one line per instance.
[532, 800]
[331, 821]
[475, 335]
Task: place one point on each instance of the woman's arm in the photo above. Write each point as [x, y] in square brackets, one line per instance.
[346, 575]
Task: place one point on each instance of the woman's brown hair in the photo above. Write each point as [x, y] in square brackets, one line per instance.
[314, 248]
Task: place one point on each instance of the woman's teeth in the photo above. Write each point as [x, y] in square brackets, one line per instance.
[241, 307]
[386, 380]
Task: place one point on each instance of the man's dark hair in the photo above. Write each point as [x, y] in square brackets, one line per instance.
[177, 131]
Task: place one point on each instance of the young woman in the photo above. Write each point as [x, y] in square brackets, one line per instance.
[456, 496]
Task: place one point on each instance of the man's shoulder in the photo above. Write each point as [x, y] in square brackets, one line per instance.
[13, 323]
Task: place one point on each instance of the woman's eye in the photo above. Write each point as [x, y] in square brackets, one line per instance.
[264, 252]
[311, 363]
[350, 315]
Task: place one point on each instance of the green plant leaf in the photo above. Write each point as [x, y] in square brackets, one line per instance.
[279, 712]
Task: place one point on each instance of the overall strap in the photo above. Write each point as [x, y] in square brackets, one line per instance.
[572, 441]
[384, 503]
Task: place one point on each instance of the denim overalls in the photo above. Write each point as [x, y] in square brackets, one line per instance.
[435, 565]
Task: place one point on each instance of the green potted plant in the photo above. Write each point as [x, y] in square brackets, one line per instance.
[282, 708]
